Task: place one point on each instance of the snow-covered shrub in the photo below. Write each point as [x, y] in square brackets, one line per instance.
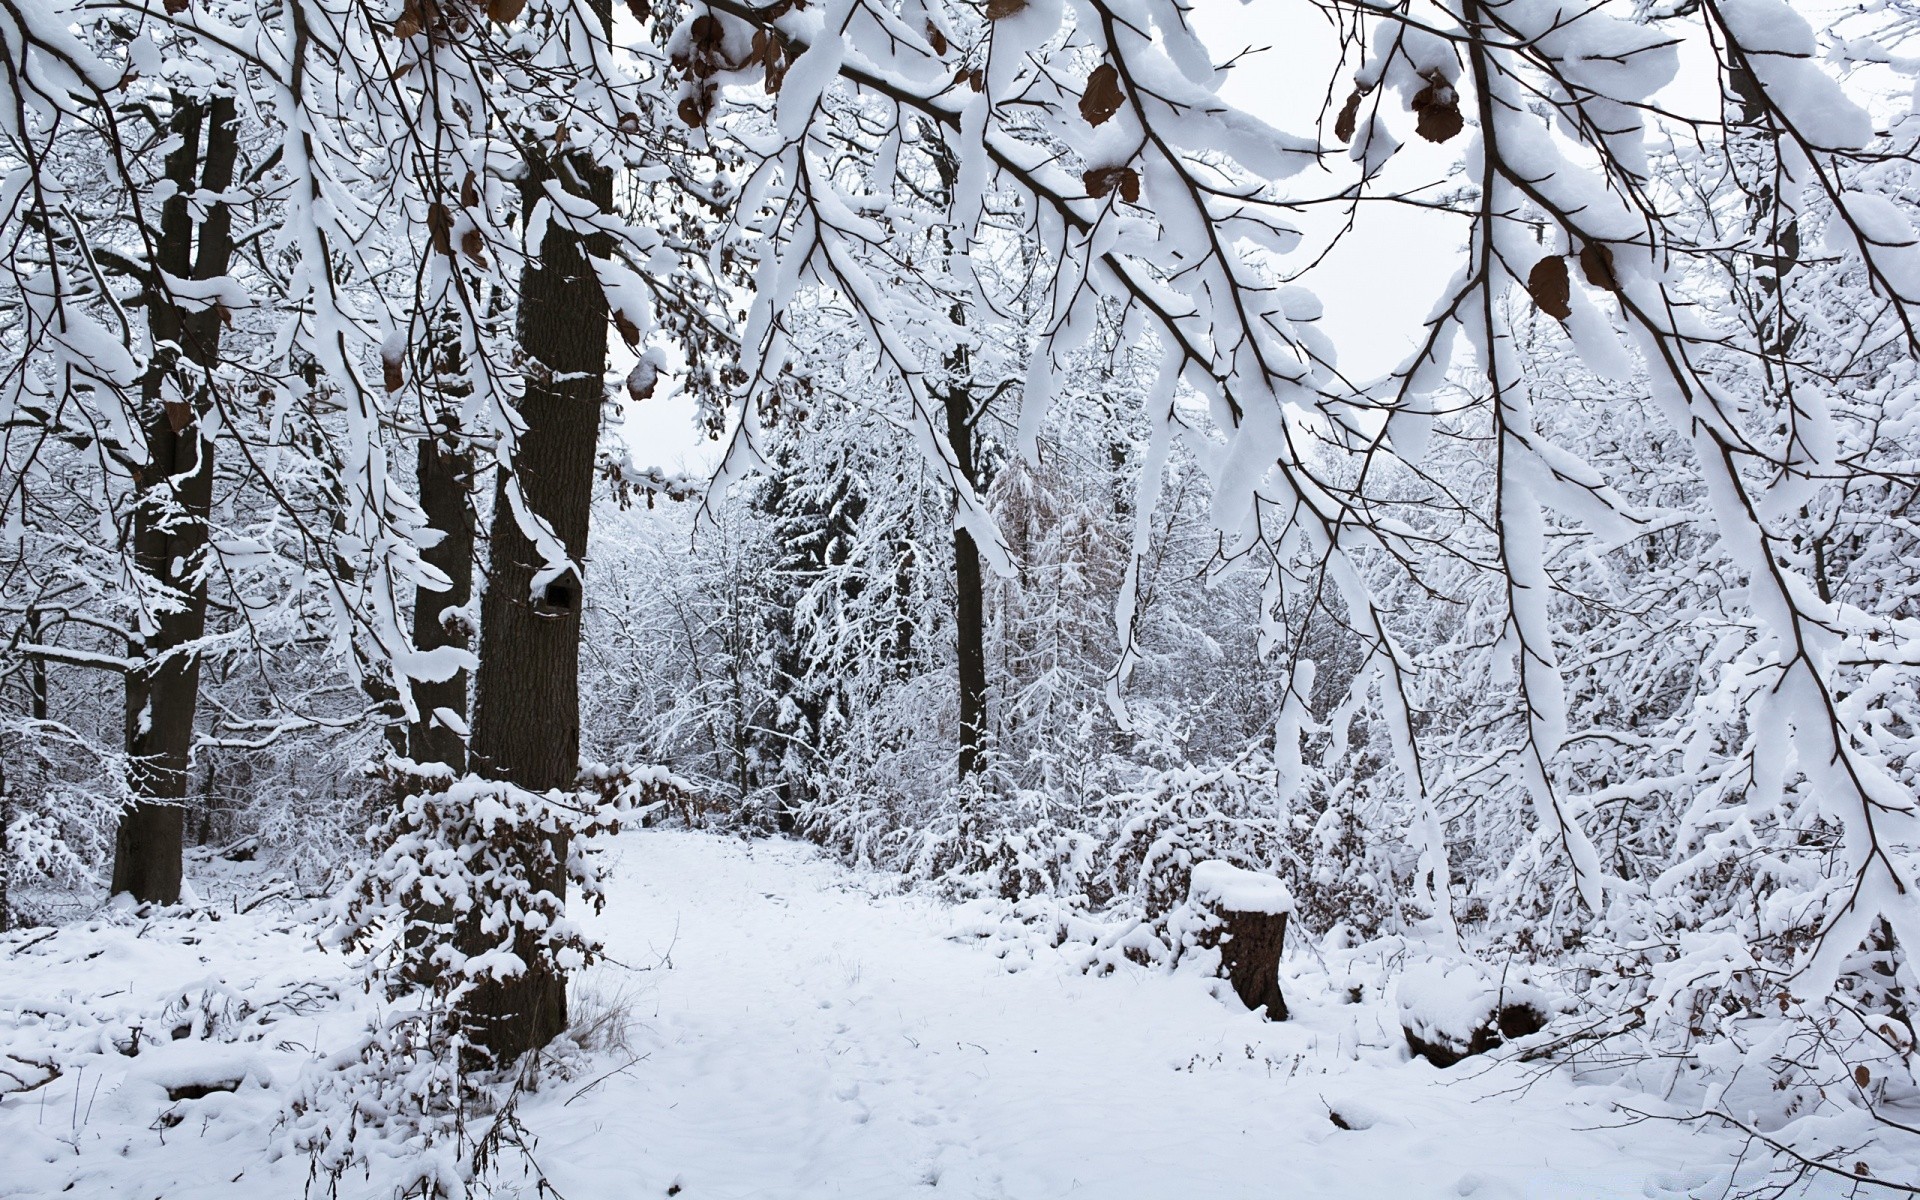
[1176, 816]
[448, 898]
[1011, 848]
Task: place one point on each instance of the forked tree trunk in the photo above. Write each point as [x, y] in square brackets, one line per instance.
[526, 723]
[173, 496]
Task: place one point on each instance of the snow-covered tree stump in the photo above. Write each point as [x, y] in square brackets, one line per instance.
[1451, 1011]
[1245, 914]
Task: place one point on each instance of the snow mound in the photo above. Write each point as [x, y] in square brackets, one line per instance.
[1450, 1010]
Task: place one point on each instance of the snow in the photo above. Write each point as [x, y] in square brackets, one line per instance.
[1447, 1002]
[801, 1031]
[1235, 889]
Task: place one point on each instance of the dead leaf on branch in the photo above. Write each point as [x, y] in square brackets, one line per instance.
[504, 11]
[1345, 123]
[1596, 263]
[1103, 97]
[440, 227]
[937, 40]
[1102, 180]
[996, 9]
[1547, 283]
[474, 245]
[1437, 110]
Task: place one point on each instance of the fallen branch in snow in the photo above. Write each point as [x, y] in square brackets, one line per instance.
[51, 1073]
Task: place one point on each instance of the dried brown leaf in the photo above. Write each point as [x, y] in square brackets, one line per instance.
[1596, 263]
[1437, 110]
[470, 191]
[1103, 97]
[1102, 180]
[440, 227]
[503, 11]
[1547, 283]
[473, 244]
[996, 9]
[937, 40]
[1345, 123]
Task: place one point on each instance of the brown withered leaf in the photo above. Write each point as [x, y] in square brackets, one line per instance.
[1862, 1076]
[996, 9]
[1547, 283]
[694, 109]
[176, 7]
[392, 375]
[1103, 97]
[224, 313]
[1596, 263]
[470, 191]
[1348, 120]
[1102, 180]
[473, 244]
[503, 11]
[707, 32]
[977, 79]
[629, 332]
[640, 9]
[412, 20]
[776, 72]
[440, 227]
[937, 40]
[1437, 110]
[179, 414]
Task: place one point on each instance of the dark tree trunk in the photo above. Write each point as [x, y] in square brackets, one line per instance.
[445, 475]
[174, 494]
[526, 723]
[970, 602]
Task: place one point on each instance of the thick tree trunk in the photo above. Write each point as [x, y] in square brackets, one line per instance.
[174, 494]
[445, 475]
[526, 724]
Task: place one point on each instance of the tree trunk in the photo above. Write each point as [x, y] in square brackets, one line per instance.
[970, 602]
[173, 496]
[526, 725]
[445, 474]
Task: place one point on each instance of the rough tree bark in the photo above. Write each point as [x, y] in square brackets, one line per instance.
[526, 724]
[445, 475]
[173, 496]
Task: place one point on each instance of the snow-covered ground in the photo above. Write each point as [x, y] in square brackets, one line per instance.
[801, 1031]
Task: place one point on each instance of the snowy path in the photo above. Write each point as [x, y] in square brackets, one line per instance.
[811, 1040]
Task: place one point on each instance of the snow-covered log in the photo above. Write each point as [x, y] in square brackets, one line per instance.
[1451, 1011]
